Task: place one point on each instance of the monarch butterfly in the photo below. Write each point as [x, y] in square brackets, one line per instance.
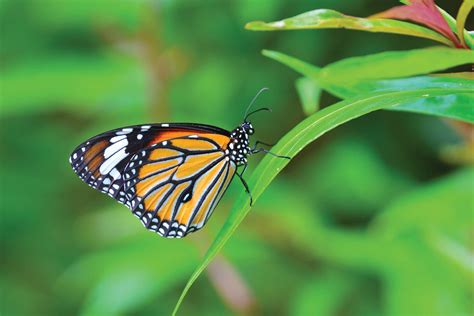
[171, 175]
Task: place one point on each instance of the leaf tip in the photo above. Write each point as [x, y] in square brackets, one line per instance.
[267, 52]
[264, 26]
[255, 26]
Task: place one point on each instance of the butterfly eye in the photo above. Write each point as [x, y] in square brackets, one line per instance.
[247, 126]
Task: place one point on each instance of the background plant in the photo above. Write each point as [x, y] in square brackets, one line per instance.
[363, 221]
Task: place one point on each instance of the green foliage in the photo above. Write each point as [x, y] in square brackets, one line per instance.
[299, 137]
[366, 220]
[346, 79]
[424, 98]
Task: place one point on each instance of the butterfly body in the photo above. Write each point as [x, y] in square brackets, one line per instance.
[170, 175]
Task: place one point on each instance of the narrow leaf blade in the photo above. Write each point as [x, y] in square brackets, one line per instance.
[324, 19]
[354, 77]
[395, 64]
[292, 143]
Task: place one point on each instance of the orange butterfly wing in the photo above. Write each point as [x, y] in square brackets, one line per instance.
[170, 175]
[174, 185]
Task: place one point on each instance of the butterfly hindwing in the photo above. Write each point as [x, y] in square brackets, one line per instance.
[174, 185]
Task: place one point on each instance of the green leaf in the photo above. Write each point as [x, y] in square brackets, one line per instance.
[331, 78]
[323, 19]
[396, 64]
[457, 106]
[296, 64]
[309, 93]
[461, 18]
[293, 142]
[379, 66]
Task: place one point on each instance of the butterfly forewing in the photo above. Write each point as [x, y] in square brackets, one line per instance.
[100, 161]
[170, 175]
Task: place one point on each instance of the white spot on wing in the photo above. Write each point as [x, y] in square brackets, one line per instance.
[113, 161]
[117, 138]
[124, 131]
[115, 174]
[109, 151]
[165, 125]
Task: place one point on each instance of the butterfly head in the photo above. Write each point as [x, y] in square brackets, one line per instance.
[247, 127]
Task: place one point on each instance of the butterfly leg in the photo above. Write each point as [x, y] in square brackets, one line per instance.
[243, 170]
[245, 185]
[259, 142]
[259, 150]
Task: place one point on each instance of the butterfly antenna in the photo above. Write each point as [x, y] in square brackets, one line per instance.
[257, 110]
[253, 101]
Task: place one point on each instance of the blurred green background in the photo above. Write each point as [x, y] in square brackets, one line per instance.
[368, 220]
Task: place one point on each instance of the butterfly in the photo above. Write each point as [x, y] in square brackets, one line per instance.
[170, 175]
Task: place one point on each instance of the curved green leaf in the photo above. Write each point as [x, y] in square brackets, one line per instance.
[393, 64]
[294, 141]
[459, 106]
[329, 78]
[461, 18]
[324, 19]
[302, 67]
